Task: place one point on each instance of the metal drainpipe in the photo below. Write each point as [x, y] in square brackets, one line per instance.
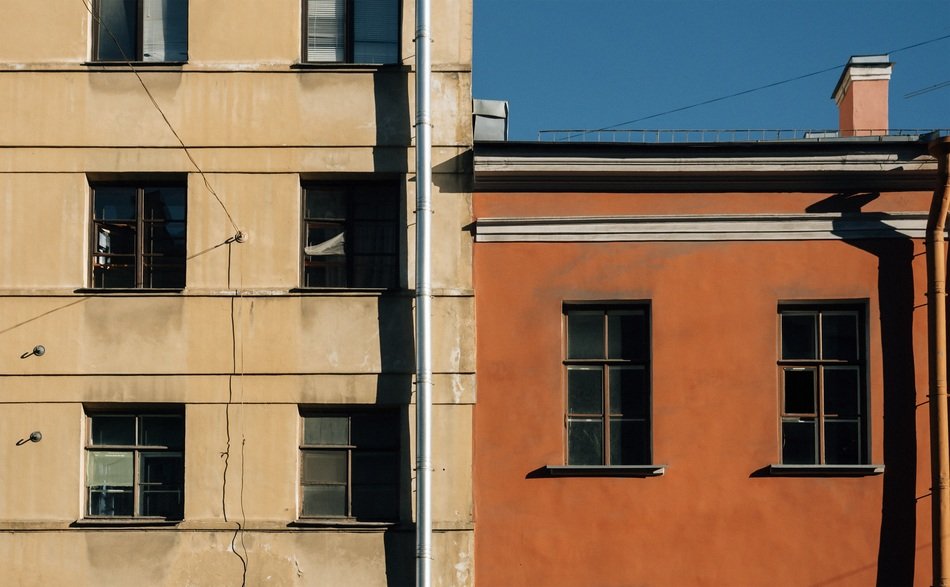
[423, 299]
[937, 330]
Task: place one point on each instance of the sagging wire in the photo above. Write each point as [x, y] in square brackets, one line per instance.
[185, 149]
[750, 90]
[240, 237]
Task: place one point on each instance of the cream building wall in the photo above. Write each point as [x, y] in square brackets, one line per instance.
[241, 348]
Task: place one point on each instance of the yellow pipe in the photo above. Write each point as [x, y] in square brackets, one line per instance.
[937, 331]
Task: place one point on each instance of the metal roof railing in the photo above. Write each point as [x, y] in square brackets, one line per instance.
[668, 136]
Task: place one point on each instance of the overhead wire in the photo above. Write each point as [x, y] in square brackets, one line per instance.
[184, 147]
[749, 91]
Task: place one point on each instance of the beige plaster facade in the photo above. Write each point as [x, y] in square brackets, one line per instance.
[242, 348]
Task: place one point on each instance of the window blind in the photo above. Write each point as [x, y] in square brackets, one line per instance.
[326, 22]
[165, 30]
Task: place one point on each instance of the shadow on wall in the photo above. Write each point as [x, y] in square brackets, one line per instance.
[394, 388]
[895, 288]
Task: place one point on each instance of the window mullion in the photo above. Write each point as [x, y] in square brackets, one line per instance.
[140, 34]
[349, 16]
[349, 482]
[605, 384]
[139, 237]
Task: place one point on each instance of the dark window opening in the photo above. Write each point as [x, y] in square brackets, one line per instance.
[822, 369]
[351, 31]
[350, 235]
[140, 30]
[608, 385]
[135, 465]
[138, 237]
[350, 466]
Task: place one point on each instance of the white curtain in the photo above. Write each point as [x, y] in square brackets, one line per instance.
[325, 30]
[165, 30]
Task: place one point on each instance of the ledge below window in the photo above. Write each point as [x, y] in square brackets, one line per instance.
[603, 470]
[128, 290]
[341, 523]
[123, 522]
[825, 470]
[341, 67]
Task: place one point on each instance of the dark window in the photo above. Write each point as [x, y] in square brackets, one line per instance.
[608, 384]
[349, 465]
[135, 465]
[350, 235]
[351, 31]
[138, 236]
[822, 372]
[141, 30]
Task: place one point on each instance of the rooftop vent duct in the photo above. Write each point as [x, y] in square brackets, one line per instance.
[491, 120]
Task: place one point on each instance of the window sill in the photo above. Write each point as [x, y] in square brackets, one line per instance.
[128, 290]
[825, 470]
[349, 290]
[347, 67]
[604, 470]
[123, 522]
[111, 64]
[340, 523]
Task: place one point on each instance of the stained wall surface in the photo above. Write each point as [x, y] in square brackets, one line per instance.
[716, 516]
[242, 348]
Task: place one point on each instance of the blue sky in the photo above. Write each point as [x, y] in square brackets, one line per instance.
[596, 63]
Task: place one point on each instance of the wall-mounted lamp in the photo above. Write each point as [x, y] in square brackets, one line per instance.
[39, 350]
[33, 437]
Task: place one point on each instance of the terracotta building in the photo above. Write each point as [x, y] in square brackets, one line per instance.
[705, 363]
[206, 284]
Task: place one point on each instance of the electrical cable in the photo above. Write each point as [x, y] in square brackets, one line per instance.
[749, 91]
[168, 123]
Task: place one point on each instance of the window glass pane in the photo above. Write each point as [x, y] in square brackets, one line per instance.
[375, 202]
[585, 441]
[161, 470]
[374, 271]
[627, 336]
[165, 203]
[800, 391]
[324, 466]
[161, 431]
[842, 392]
[842, 442]
[118, 239]
[164, 503]
[118, 30]
[376, 502]
[323, 500]
[165, 30]
[165, 239]
[839, 336]
[327, 275]
[326, 430]
[799, 333]
[585, 390]
[629, 442]
[110, 501]
[799, 443]
[585, 335]
[325, 30]
[112, 430]
[629, 393]
[109, 469]
[375, 31]
[114, 203]
[375, 430]
[325, 204]
[112, 276]
[375, 468]
[165, 277]
[373, 238]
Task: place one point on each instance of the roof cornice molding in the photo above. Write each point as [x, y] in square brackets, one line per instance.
[845, 165]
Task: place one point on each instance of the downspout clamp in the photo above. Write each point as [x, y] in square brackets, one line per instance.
[937, 332]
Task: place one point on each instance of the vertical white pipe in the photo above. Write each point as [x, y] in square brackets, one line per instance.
[423, 299]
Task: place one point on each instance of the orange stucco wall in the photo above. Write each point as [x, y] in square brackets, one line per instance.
[713, 518]
[864, 108]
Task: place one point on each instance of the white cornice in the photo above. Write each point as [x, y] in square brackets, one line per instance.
[732, 227]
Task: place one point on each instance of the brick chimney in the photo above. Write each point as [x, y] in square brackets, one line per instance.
[861, 96]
